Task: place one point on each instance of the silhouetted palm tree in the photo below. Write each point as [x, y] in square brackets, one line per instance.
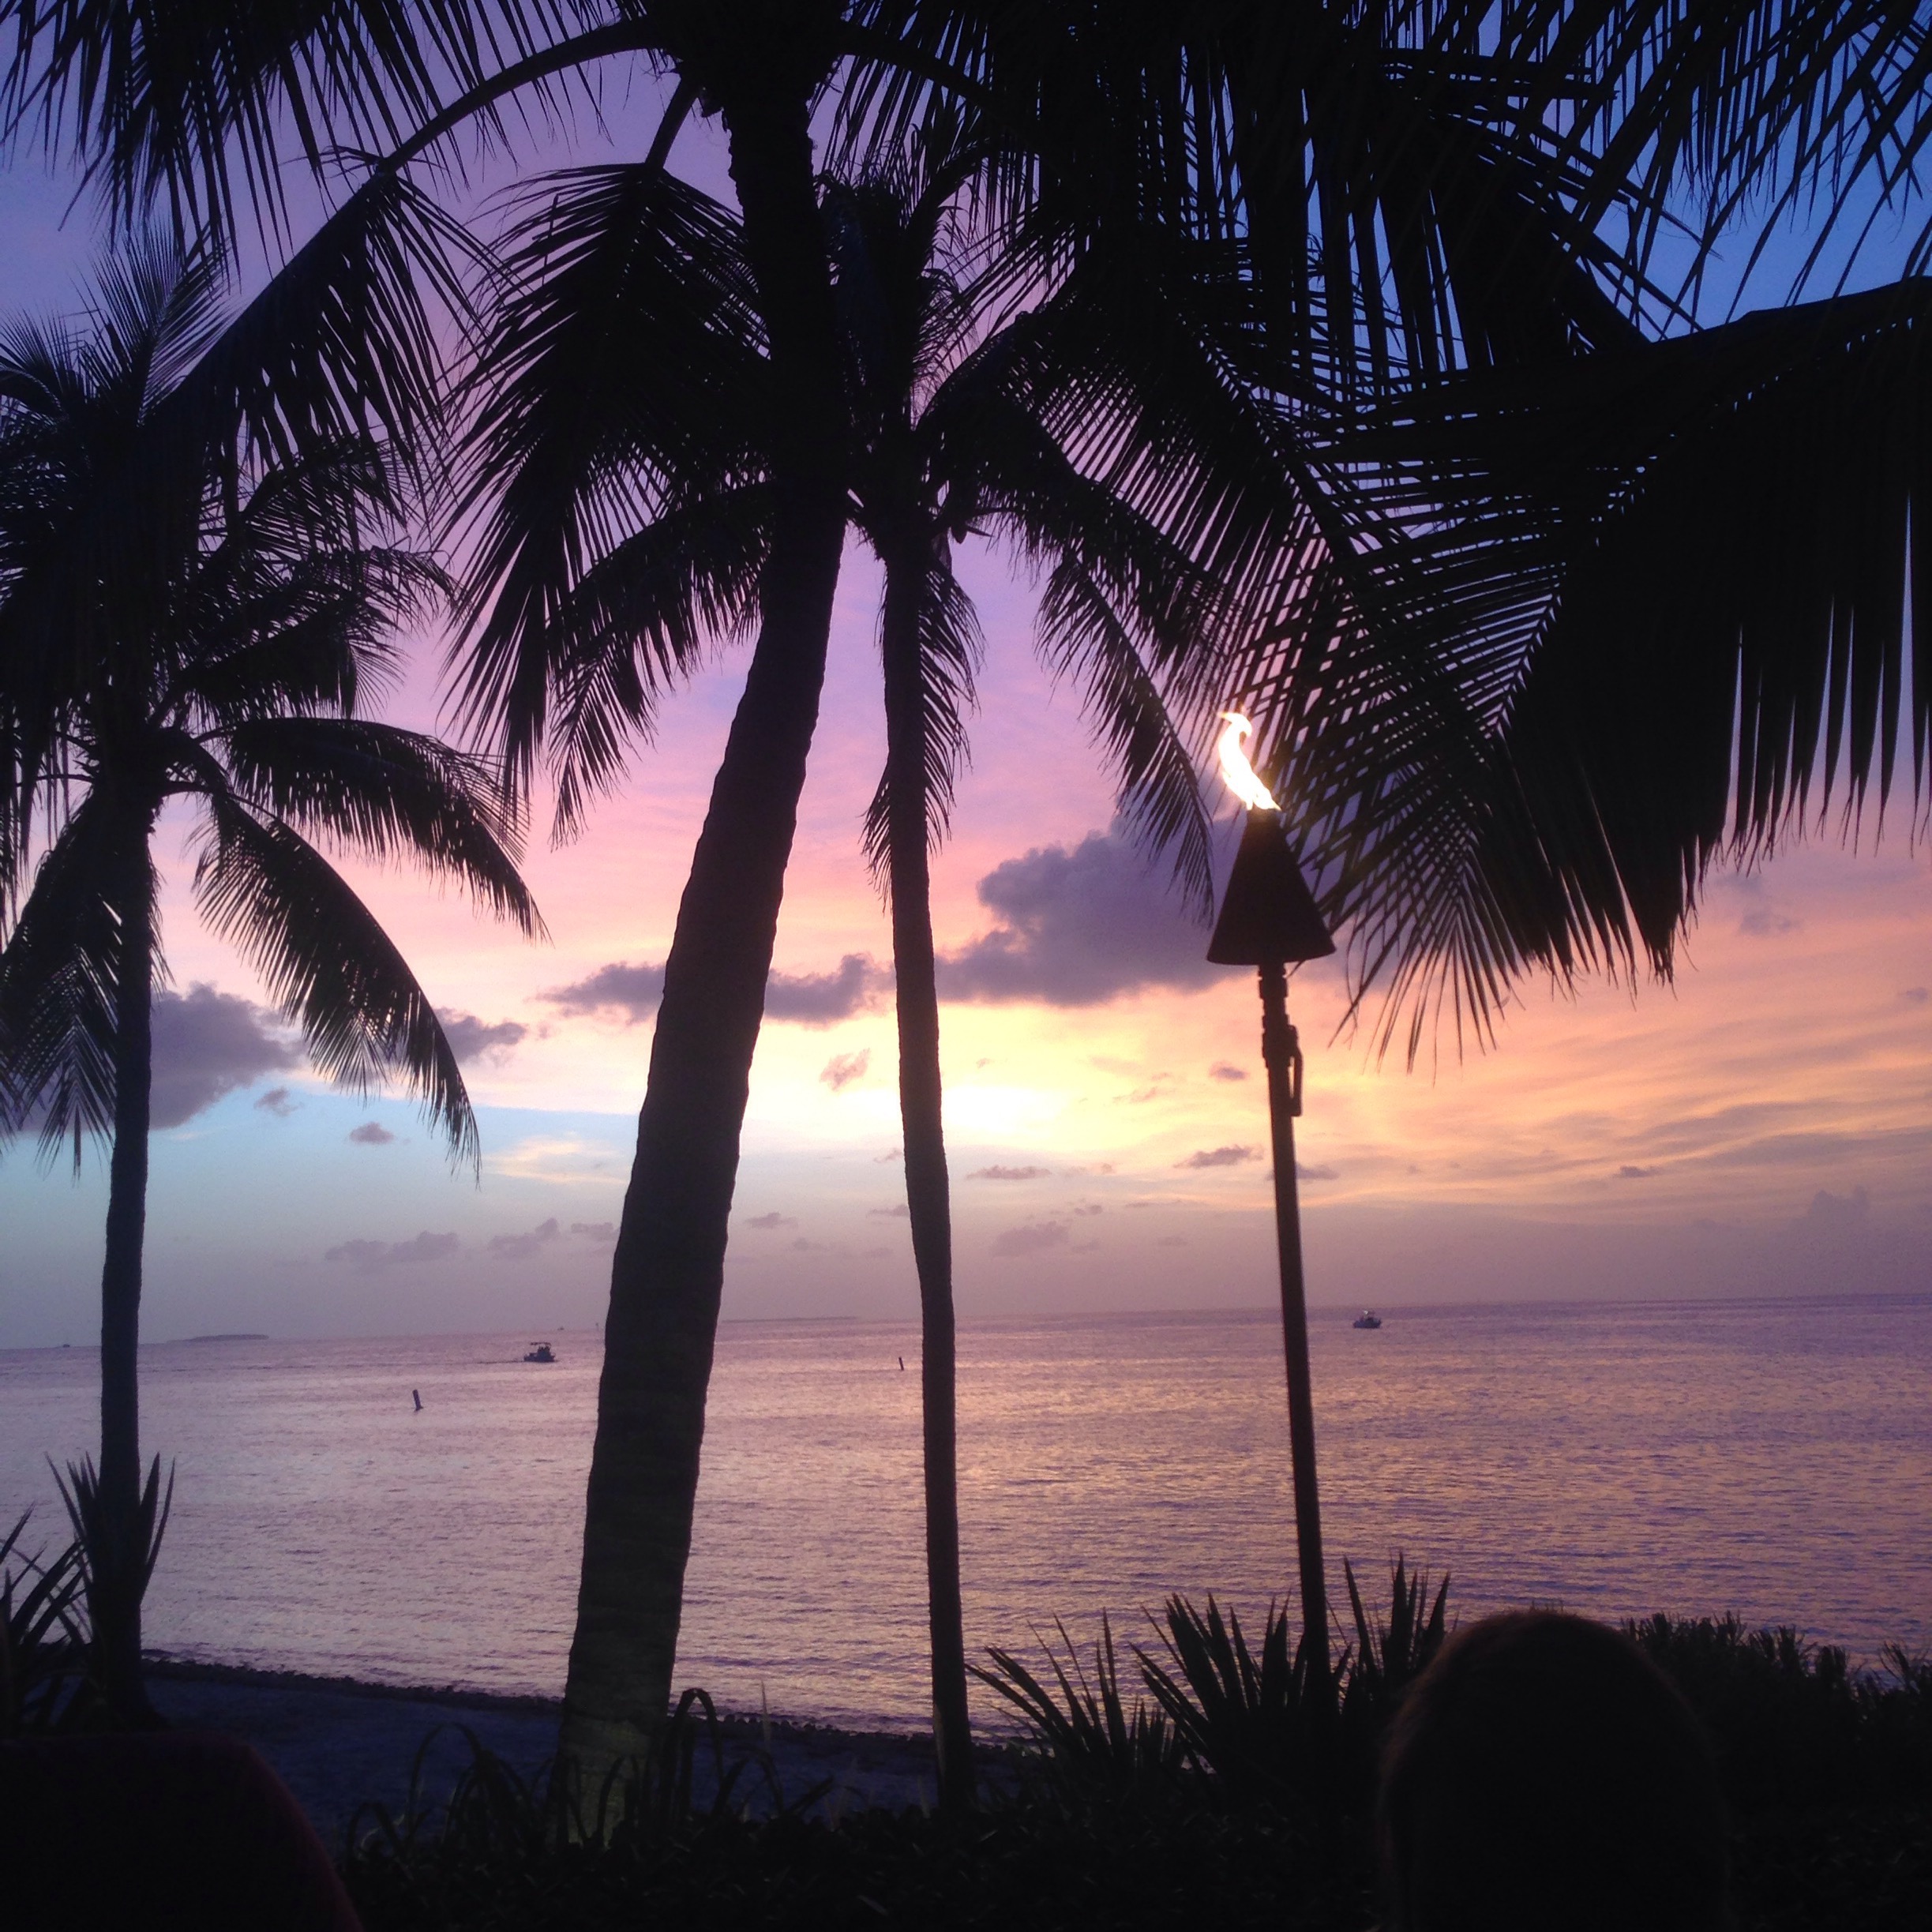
[1049, 430]
[965, 429]
[180, 624]
[197, 103]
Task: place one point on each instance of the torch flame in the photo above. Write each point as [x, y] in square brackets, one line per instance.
[1237, 773]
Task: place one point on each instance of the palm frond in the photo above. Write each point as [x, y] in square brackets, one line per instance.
[1675, 582]
[296, 607]
[116, 1555]
[42, 1635]
[948, 647]
[100, 501]
[1405, 213]
[621, 376]
[639, 620]
[1174, 415]
[1127, 614]
[1754, 114]
[1080, 635]
[202, 102]
[345, 338]
[387, 794]
[59, 981]
[327, 964]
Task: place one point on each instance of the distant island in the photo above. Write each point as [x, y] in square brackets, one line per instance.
[239, 1335]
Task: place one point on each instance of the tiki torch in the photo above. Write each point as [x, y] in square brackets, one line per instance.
[1269, 920]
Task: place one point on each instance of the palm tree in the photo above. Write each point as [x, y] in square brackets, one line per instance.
[1033, 428]
[964, 427]
[181, 623]
[1413, 188]
[194, 107]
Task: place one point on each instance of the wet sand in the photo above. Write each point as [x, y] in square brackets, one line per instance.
[339, 1745]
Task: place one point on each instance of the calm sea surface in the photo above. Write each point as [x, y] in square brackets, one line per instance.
[1771, 1457]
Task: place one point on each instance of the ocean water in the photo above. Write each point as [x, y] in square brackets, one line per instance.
[1774, 1458]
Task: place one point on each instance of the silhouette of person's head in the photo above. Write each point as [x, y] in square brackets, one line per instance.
[1542, 1772]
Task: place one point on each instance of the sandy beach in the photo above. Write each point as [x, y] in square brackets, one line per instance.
[339, 1745]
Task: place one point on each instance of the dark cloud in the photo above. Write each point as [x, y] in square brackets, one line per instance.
[1032, 1238]
[840, 1071]
[898, 1211]
[1630, 1172]
[521, 1247]
[471, 1038]
[1077, 928]
[369, 1257]
[1761, 922]
[800, 999]
[207, 1044]
[596, 1230]
[773, 1220]
[1916, 994]
[1838, 1212]
[371, 1134]
[1009, 1173]
[1089, 1207]
[633, 990]
[824, 998]
[1220, 1157]
[1316, 1173]
[277, 1102]
[1226, 1070]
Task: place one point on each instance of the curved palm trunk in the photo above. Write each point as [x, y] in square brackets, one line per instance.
[115, 1565]
[928, 1194]
[668, 1272]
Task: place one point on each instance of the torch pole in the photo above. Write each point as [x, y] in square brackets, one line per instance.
[1280, 1053]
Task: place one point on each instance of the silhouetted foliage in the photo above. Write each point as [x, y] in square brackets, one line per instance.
[115, 1555]
[1793, 1722]
[1235, 1725]
[1090, 1744]
[42, 1635]
[1116, 1818]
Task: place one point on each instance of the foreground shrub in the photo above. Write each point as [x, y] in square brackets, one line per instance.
[1195, 1782]
[42, 1639]
[1228, 1726]
[1793, 1723]
[1022, 1864]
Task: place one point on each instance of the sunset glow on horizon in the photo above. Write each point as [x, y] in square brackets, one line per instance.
[1763, 1123]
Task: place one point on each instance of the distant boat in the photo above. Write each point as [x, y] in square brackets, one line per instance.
[540, 1352]
[1368, 1319]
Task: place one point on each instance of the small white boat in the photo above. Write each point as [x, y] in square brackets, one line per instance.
[1368, 1318]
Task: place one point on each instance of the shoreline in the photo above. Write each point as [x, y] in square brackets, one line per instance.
[159, 1666]
[343, 1746]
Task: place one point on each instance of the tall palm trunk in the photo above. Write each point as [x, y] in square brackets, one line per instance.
[668, 1273]
[116, 1563]
[928, 1194]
